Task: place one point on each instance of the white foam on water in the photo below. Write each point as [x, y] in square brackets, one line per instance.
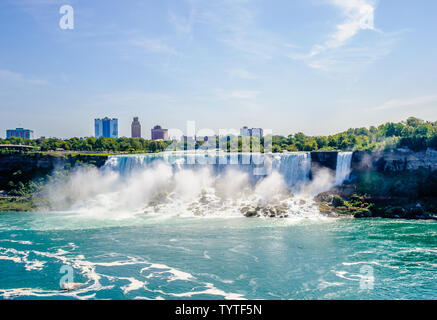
[326, 284]
[95, 278]
[175, 274]
[14, 259]
[210, 290]
[134, 284]
[16, 241]
[361, 262]
[21, 257]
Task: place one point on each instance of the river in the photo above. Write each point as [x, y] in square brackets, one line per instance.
[217, 258]
[137, 230]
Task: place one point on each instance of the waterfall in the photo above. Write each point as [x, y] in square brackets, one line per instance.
[198, 183]
[295, 167]
[342, 172]
[193, 183]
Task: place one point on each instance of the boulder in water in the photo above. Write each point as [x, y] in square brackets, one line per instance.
[68, 286]
[244, 210]
[280, 209]
[267, 210]
[251, 213]
[363, 214]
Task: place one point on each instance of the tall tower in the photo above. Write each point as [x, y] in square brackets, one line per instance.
[136, 128]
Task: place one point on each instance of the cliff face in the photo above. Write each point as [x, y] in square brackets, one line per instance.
[398, 173]
[398, 160]
[399, 184]
[26, 167]
[326, 159]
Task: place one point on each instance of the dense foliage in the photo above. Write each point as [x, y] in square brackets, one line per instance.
[413, 133]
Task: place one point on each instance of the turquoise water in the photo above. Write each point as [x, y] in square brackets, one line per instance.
[143, 257]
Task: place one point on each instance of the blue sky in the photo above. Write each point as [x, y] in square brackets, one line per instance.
[316, 66]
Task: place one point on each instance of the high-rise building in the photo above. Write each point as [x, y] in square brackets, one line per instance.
[159, 133]
[252, 132]
[106, 127]
[257, 132]
[20, 133]
[245, 132]
[136, 128]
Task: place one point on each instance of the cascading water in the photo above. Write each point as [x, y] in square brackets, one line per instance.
[342, 172]
[295, 167]
[200, 183]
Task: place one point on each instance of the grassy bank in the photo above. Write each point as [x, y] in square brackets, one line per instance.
[16, 204]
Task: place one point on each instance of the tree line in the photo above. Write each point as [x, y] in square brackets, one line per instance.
[414, 133]
[92, 144]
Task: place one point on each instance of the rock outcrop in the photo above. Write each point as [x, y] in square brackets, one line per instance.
[26, 167]
[395, 160]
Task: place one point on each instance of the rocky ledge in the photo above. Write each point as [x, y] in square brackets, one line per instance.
[332, 203]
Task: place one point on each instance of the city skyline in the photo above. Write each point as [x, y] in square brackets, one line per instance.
[319, 67]
[108, 128]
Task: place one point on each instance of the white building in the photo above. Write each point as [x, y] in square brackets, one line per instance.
[251, 132]
[257, 132]
[245, 132]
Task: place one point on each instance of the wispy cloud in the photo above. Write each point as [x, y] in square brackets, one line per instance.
[131, 98]
[153, 45]
[237, 94]
[20, 78]
[359, 16]
[421, 101]
[233, 23]
[337, 54]
[242, 73]
[182, 24]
